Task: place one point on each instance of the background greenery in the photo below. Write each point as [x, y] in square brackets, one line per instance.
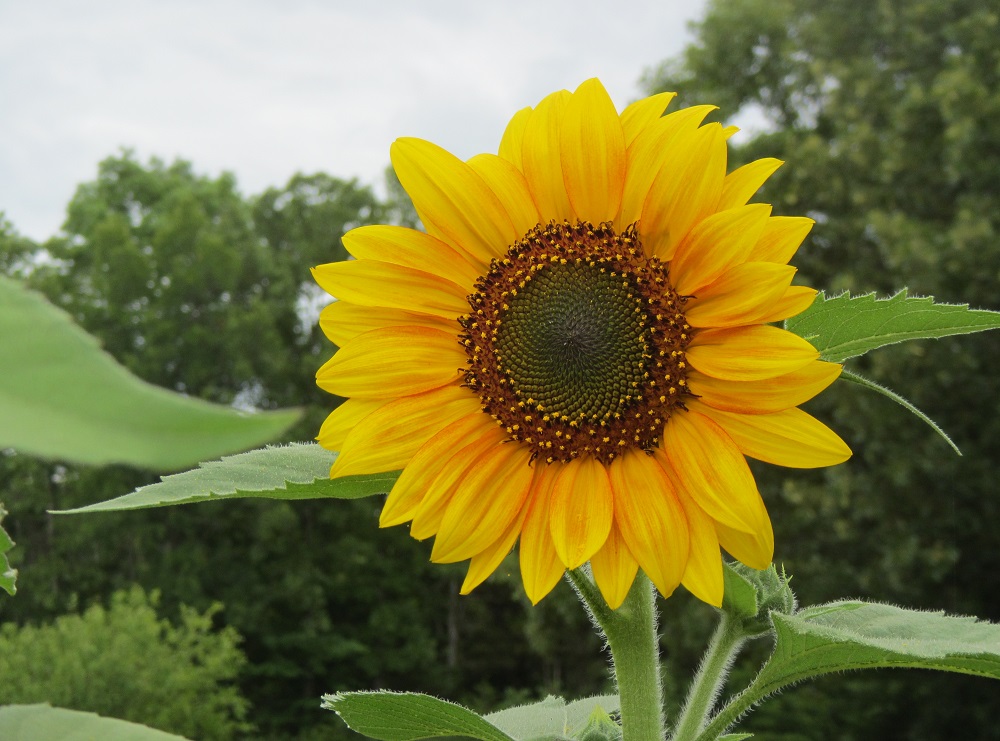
[888, 115]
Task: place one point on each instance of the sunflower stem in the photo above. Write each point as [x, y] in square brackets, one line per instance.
[725, 644]
[635, 653]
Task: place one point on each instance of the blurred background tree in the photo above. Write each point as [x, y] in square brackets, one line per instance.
[886, 113]
[197, 288]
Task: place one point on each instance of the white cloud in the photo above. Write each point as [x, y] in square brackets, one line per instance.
[266, 89]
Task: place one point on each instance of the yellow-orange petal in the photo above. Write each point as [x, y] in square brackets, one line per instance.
[650, 518]
[743, 182]
[486, 562]
[415, 481]
[791, 438]
[393, 361]
[780, 238]
[342, 420]
[715, 245]
[767, 396]
[387, 438]
[487, 499]
[342, 321]
[652, 147]
[511, 189]
[703, 575]
[412, 249]
[511, 143]
[375, 283]
[541, 568]
[748, 353]
[642, 113]
[614, 569]
[739, 296]
[707, 464]
[592, 152]
[795, 300]
[685, 190]
[581, 511]
[540, 157]
[755, 549]
[452, 200]
[427, 518]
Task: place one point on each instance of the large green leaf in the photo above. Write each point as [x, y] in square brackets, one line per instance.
[405, 716]
[552, 718]
[841, 636]
[46, 723]
[846, 326]
[63, 397]
[8, 576]
[295, 471]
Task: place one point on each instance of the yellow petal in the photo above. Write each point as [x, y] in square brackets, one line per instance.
[767, 396]
[429, 514]
[374, 283]
[541, 568]
[715, 245]
[511, 189]
[513, 138]
[684, 191]
[453, 202]
[485, 563]
[486, 501]
[703, 575]
[592, 152]
[710, 468]
[748, 353]
[791, 438]
[652, 147]
[540, 158]
[427, 463]
[581, 511]
[642, 113]
[386, 439]
[741, 295]
[743, 182]
[394, 361]
[614, 569]
[342, 321]
[795, 300]
[343, 419]
[755, 549]
[780, 238]
[650, 518]
[413, 249]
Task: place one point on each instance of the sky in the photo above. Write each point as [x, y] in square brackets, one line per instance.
[265, 89]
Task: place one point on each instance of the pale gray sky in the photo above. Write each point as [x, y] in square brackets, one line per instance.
[265, 89]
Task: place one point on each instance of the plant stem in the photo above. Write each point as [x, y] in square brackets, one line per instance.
[635, 654]
[712, 673]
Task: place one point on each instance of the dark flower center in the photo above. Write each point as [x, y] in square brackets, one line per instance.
[576, 342]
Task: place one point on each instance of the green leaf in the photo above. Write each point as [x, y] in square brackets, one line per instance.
[736, 737]
[846, 326]
[295, 471]
[63, 397]
[907, 405]
[553, 717]
[8, 576]
[860, 635]
[46, 723]
[406, 716]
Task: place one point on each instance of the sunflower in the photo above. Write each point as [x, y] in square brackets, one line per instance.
[578, 353]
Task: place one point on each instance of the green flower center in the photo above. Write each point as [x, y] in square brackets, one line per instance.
[576, 342]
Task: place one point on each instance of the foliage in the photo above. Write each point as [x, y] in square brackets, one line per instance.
[125, 662]
[44, 723]
[886, 114]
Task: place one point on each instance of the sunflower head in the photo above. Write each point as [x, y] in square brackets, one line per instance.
[578, 353]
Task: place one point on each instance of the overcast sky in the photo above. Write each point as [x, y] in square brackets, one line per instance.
[266, 89]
